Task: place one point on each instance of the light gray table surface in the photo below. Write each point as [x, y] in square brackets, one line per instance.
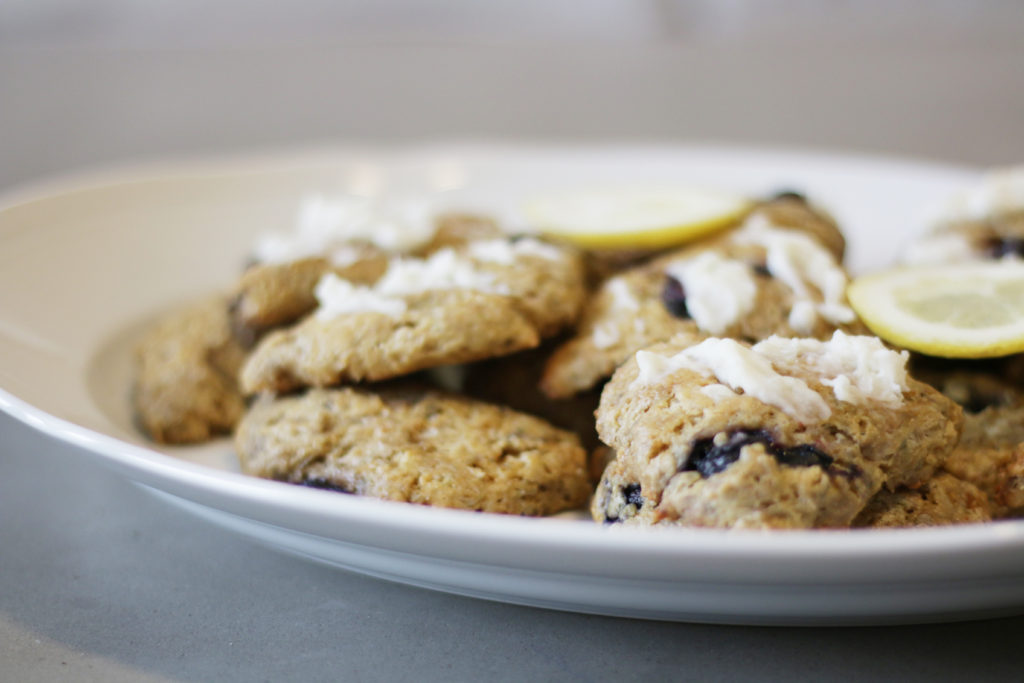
[99, 581]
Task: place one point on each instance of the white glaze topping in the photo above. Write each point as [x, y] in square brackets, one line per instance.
[858, 369]
[719, 291]
[507, 252]
[800, 262]
[622, 297]
[325, 223]
[605, 334]
[338, 296]
[444, 269]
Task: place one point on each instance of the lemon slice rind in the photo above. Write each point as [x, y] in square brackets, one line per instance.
[967, 310]
[635, 217]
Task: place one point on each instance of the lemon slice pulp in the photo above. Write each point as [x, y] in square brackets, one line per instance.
[635, 217]
[966, 310]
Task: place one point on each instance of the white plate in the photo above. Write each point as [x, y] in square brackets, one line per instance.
[85, 263]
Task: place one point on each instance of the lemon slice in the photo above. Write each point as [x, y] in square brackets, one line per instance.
[967, 310]
[635, 217]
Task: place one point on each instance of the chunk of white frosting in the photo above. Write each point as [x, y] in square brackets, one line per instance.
[719, 291]
[858, 369]
[338, 296]
[444, 269]
[622, 297]
[506, 252]
[800, 262]
[605, 334]
[323, 224]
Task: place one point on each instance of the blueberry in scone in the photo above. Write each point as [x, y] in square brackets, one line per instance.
[482, 299]
[415, 446]
[185, 389]
[787, 433]
[764, 278]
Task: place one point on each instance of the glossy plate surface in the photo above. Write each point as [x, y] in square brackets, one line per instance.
[87, 262]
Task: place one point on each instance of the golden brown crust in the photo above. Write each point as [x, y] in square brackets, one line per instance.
[417, 447]
[438, 327]
[990, 453]
[186, 364]
[944, 499]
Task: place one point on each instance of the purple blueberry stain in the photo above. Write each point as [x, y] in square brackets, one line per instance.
[673, 296]
[1001, 247]
[708, 458]
[322, 484]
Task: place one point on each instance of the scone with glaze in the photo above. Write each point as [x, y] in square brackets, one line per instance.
[415, 446]
[788, 433]
[482, 299]
[981, 222]
[771, 276]
[352, 238]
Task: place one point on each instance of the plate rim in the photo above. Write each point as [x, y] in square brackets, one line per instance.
[826, 546]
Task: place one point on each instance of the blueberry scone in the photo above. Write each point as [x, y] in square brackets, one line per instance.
[477, 300]
[349, 237]
[788, 433]
[415, 446]
[185, 389]
[772, 276]
[985, 221]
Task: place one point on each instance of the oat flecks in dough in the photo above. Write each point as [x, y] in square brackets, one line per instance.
[418, 447]
[944, 499]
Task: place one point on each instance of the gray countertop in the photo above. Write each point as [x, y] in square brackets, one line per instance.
[101, 581]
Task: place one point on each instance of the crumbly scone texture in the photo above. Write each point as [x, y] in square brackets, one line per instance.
[270, 295]
[438, 327]
[990, 453]
[834, 466]
[185, 389]
[942, 500]
[417, 447]
[609, 332]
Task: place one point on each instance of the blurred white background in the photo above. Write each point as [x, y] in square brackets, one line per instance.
[92, 81]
